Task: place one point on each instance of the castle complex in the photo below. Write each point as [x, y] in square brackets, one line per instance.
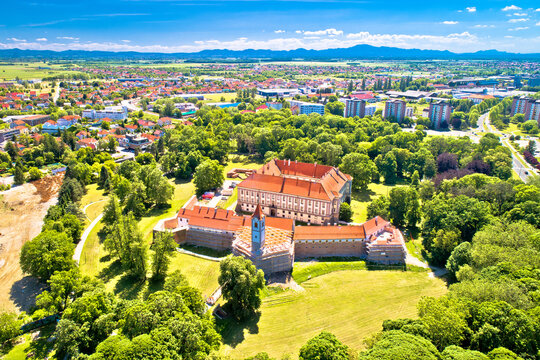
[272, 243]
[309, 193]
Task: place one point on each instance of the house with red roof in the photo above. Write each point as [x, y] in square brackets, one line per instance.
[82, 134]
[164, 121]
[87, 142]
[131, 128]
[146, 124]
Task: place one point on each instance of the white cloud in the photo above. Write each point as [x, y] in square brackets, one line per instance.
[537, 9]
[41, 39]
[461, 42]
[16, 40]
[511, 7]
[279, 31]
[482, 26]
[330, 32]
[538, 23]
[67, 38]
[126, 41]
[471, 9]
[520, 14]
[519, 28]
[450, 22]
[513, 21]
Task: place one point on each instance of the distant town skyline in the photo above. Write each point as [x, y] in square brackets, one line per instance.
[190, 25]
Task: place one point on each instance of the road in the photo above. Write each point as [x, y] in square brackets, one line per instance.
[56, 93]
[520, 166]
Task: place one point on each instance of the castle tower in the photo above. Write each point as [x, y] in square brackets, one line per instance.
[257, 231]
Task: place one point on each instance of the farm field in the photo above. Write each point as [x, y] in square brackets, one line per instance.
[29, 70]
[351, 304]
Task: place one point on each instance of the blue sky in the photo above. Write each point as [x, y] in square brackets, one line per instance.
[191, 25]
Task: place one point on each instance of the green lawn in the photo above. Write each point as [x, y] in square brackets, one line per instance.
[202, 274]
[96, 262]
[360, 200]
[350, 304]
[93, 194]
[306, 270]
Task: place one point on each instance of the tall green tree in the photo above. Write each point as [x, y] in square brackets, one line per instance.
[324, 346]
[47, 253]
[241, 286]
[208, 176]
[163, 246]
[360, 167]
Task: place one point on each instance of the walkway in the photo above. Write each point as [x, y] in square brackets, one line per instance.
[187, 252]
[435, 271]
[92, 203]
[80, 245]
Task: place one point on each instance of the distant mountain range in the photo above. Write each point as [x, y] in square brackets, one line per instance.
[358, 52]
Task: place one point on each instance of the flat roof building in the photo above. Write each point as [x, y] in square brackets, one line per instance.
[306, 108]
[439, 113]
[395, 109]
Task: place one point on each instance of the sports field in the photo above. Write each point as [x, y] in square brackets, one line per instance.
[351, 304]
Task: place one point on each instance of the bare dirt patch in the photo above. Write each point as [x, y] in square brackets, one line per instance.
[22, 210]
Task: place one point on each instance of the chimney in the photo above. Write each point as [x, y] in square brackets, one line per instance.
[289, 164]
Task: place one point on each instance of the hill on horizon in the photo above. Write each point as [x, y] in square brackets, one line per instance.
[358, 52]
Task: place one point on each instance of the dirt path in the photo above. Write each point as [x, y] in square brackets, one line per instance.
[21, 216]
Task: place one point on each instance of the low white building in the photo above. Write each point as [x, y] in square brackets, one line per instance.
[111, 112]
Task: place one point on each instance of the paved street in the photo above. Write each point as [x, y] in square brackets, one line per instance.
[520, 166]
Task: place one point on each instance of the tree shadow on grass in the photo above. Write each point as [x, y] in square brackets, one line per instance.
[232, 331]
[153, 286]
[129, 287]
[42, 346]
[23, 292]
[111, 271]
[363, 195]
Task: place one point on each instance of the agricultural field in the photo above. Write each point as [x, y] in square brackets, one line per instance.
[30, 70]
[350, 304]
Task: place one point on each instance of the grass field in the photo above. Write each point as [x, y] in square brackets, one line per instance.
[350, 304]
[213, 98]
[30, 70]
[96, 262]
[93, 194]
[360, 200]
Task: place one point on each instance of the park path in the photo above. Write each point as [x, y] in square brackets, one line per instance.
[435, 271]
[92, 203]
[187, 252]
[87, 231]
